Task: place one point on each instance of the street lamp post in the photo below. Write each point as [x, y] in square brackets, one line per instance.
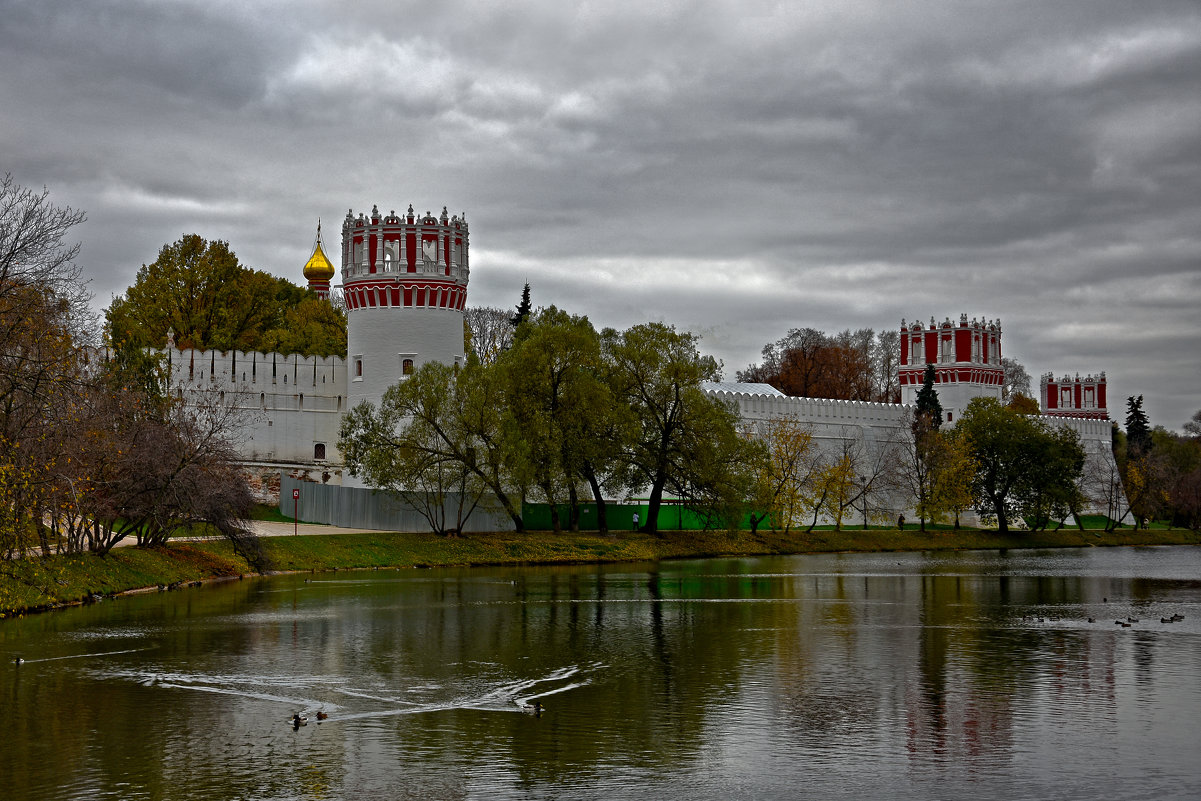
[863, 498]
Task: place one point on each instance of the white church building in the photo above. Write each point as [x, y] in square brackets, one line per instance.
[404, 282]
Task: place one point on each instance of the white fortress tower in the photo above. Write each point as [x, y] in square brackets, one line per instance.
[405, 284]
[966, 359]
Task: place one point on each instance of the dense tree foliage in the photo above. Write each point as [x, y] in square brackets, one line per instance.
[1193, 427]
[558, 401]
[197, 291]
[852, 365]
[1159, 472]
[1023, 404]
[686, 442]
[563, 414]
[1023, 468]
[920, 468]
[953, 465]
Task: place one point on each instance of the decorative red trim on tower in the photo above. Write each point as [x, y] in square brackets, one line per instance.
[371, 281]
[958, 360]
[1073, 396]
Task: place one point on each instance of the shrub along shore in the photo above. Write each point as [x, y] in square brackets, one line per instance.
[40, 584]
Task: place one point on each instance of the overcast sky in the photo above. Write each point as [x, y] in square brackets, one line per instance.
[736, 169]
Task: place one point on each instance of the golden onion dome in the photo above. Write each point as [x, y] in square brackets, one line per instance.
[318, 267]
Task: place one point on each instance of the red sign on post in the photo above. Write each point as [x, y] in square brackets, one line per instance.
[295, 494]
[295, 517]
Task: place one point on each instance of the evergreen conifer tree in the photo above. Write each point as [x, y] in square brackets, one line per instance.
[928, 411]
[1138, 428]
[523, 308]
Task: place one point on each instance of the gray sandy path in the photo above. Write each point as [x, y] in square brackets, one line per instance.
[271, 528]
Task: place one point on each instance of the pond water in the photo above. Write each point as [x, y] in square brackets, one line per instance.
[900, 676]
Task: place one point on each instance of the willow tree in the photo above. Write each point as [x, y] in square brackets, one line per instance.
[682, 438]
[438, 428]
[560, 408]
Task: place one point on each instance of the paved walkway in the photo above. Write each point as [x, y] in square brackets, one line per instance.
[269, 528]
[266, 528]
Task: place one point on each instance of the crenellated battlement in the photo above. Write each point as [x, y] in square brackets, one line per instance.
[403, 247]
[966, 357]
[756, 406]
[238, 370]
[1073, 396]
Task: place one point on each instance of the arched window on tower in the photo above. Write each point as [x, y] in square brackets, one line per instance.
[319, 451]
[406, 367]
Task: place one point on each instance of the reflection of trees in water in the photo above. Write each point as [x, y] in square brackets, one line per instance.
[822, 710]
[656, 661]
[674, 662]
[822, 646]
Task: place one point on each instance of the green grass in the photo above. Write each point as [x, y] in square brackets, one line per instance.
[268, 512]
[30, 584]
[36, 584]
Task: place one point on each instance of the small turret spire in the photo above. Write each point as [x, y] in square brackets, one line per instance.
[318, 270]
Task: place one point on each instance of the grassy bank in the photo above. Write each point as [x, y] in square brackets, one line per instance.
[41, 584]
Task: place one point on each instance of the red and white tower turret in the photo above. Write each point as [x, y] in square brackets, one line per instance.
[966, 359]
[1074, 396]
[405, 284]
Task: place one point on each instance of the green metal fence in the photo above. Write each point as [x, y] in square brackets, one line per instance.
[620, 517]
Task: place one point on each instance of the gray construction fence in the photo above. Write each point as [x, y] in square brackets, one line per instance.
[356, 507]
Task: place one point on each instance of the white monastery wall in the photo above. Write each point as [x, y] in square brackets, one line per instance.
[836, 423]
[290, 407]
[832, 421]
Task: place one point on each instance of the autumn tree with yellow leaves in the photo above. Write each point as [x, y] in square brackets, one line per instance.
[91, 451]
[787, 474]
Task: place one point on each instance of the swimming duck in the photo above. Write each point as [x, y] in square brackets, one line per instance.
[18, 661]
[532, 709]
[322, 716]
[298, 720]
